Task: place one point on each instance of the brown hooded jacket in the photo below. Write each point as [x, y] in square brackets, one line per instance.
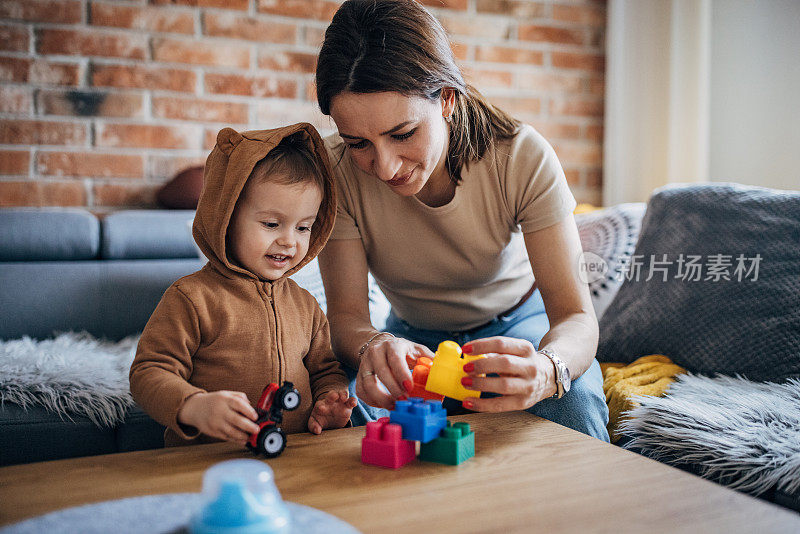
[222, 328]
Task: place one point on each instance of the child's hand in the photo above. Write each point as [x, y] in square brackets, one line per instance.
[331, 411]
[225, 415]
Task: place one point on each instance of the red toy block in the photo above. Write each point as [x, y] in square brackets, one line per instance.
[420, 378]
[384, 446]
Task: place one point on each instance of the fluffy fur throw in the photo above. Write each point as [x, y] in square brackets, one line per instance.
[72, 374]
[743, 434]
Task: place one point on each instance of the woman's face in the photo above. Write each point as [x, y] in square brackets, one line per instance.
[400, 140]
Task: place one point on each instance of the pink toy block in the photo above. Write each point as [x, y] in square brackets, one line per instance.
[384, 446]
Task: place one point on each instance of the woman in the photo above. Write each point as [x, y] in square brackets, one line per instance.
[464, 217]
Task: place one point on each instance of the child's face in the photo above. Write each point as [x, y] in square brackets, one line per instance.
[271, 226]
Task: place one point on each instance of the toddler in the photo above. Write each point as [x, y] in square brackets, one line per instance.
[220, 335]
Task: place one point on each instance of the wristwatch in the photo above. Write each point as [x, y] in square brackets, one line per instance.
[563, 381]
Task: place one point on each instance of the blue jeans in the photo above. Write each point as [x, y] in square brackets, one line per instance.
[583, 408]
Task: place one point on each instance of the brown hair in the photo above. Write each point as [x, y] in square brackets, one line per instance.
[397, 45]
[291, 162]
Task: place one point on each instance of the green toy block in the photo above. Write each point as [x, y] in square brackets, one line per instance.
[455, 445]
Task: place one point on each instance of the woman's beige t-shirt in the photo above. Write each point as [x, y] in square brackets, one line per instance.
[456, 266]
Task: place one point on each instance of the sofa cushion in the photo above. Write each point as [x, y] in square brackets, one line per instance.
[147, 234]
[48, 234]
[34, 434]
[608, 237]
[138, 432]
[737, 312]
[110, 299]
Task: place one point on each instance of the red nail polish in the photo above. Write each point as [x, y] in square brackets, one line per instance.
[469, 367]
[402, 397]
[408, 385]
[466, 381]
[467, 347]
[468, 403]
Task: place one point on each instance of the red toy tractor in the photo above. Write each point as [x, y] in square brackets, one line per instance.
[270, 440]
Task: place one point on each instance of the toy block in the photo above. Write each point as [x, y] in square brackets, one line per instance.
[454, 445]
[420, 419]
[384, 446]
[419, 377]
[447, 371]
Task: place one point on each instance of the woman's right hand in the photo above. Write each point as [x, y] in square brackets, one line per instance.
[385, 360]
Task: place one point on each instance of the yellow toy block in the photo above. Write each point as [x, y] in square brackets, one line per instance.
[447, 371]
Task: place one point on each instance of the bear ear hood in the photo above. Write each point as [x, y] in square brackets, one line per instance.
[227, 168]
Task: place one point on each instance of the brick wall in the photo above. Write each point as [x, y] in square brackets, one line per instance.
[103, 101]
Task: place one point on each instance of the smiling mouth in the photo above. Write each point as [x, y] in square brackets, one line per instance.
[278, 258]
[400, 180]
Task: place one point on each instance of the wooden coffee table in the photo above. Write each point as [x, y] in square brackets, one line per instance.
[528, 475]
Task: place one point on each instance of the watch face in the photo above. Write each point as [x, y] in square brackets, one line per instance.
[566, 381]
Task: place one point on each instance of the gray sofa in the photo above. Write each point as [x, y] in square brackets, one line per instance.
[64, 269]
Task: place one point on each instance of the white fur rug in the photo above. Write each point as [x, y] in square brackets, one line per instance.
[743, 434]
[72, 374]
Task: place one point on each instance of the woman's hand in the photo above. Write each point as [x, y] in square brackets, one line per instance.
[385, 360]
[525, 376]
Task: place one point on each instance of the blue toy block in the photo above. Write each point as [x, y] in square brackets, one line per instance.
[421, 420]
[456, 444]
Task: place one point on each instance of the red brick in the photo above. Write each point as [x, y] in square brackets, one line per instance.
[287, 61]
[60, 11]
[303, 9]
[505, 54]
[14, 69]
[551, 34]
[127, 195]
[14, 162]
[314, 36]
[209, 139]
[142, 18]
[446, 4]
[272, 113]
[42, 194]
[594, 132]
[239, 5]
[597, 86]
[582, 107]
[517, 106]
[91, 43]
[519, 9]
[311, 91]
[539, 82]
[15, 99]
[146, 136]
[258, 86]
[44, 72]
[557, 130]
[89, 164]
[163, 168]
[579, 152]
[201, 53]
[481, 78]
[477, 27]
[167, 79]
[14, 38]
[32, 132]
[587, 15]
[249, 28]
[109, 104]
[192, 109]
[594, 178]
[573, 176]
[570, 60]
[460, 50]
